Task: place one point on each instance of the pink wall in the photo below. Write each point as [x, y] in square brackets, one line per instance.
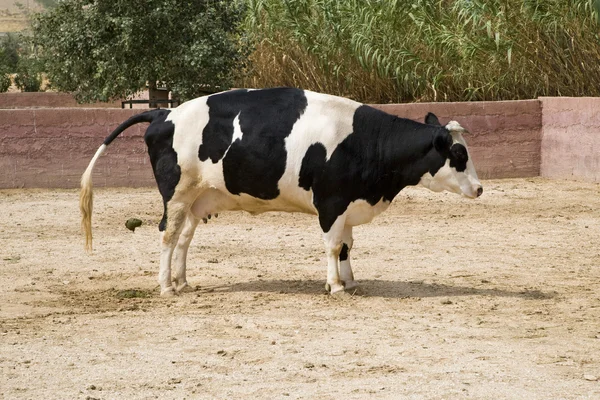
[52, 147]
[47, 99]
[571, 134]
[552, 137]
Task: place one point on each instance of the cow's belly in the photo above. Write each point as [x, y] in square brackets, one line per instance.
[361, 212]
[214, 195]
[213, 200]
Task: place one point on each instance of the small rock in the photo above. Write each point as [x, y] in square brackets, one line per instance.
[590, 377]
[447, 301]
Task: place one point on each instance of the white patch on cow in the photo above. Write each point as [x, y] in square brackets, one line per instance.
[326, 120]
[444, 179]
[189, 119]
[237, 135]
[361, 212]
[237, 130]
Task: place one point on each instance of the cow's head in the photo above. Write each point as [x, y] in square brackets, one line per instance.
[458, 174]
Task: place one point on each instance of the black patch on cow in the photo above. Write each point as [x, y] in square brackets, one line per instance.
[312, 165]
[255, 163]
[459, 157]
[344, 252]
[218, 132]
[375, 162]
[159, 139]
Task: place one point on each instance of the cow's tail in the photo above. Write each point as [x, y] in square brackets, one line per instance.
[86, 196]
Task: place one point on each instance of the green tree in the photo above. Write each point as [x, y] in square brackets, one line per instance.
[104, 50]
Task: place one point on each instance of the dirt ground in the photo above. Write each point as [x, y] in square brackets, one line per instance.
[492, 298]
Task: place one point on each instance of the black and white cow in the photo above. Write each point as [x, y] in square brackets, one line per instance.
[286, 149]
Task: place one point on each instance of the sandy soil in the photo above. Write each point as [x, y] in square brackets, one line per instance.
[491, 298]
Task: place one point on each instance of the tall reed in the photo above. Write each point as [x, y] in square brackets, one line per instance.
[426, 50]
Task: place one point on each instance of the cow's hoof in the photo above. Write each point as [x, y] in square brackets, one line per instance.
[335, 288]
[184, 288]
[168, 292]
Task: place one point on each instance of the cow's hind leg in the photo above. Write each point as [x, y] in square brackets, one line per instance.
[346, 274]
[180, 253]
[175, 218]
[333, 247]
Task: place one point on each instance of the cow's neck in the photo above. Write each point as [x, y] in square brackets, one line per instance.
[407, 155]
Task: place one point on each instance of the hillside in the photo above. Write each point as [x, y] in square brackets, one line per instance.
[13, 18]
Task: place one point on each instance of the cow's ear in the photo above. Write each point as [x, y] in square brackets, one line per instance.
[432, 119]
[442, 142]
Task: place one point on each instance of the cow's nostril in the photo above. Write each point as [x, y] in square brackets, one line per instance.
[479, 191]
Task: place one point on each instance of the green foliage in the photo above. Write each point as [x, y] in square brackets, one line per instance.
[5, 81]
[102, 50]
[421, 50]
[28, 77]
[9, 52]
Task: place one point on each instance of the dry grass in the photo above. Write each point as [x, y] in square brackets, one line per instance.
[446, 50]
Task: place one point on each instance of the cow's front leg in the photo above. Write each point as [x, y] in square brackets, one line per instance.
[346, 274]
[180, 254]
[333, 247]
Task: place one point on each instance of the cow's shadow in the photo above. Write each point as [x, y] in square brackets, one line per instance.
[376, 288]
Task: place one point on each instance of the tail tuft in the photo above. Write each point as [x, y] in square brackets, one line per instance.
[86, 199]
